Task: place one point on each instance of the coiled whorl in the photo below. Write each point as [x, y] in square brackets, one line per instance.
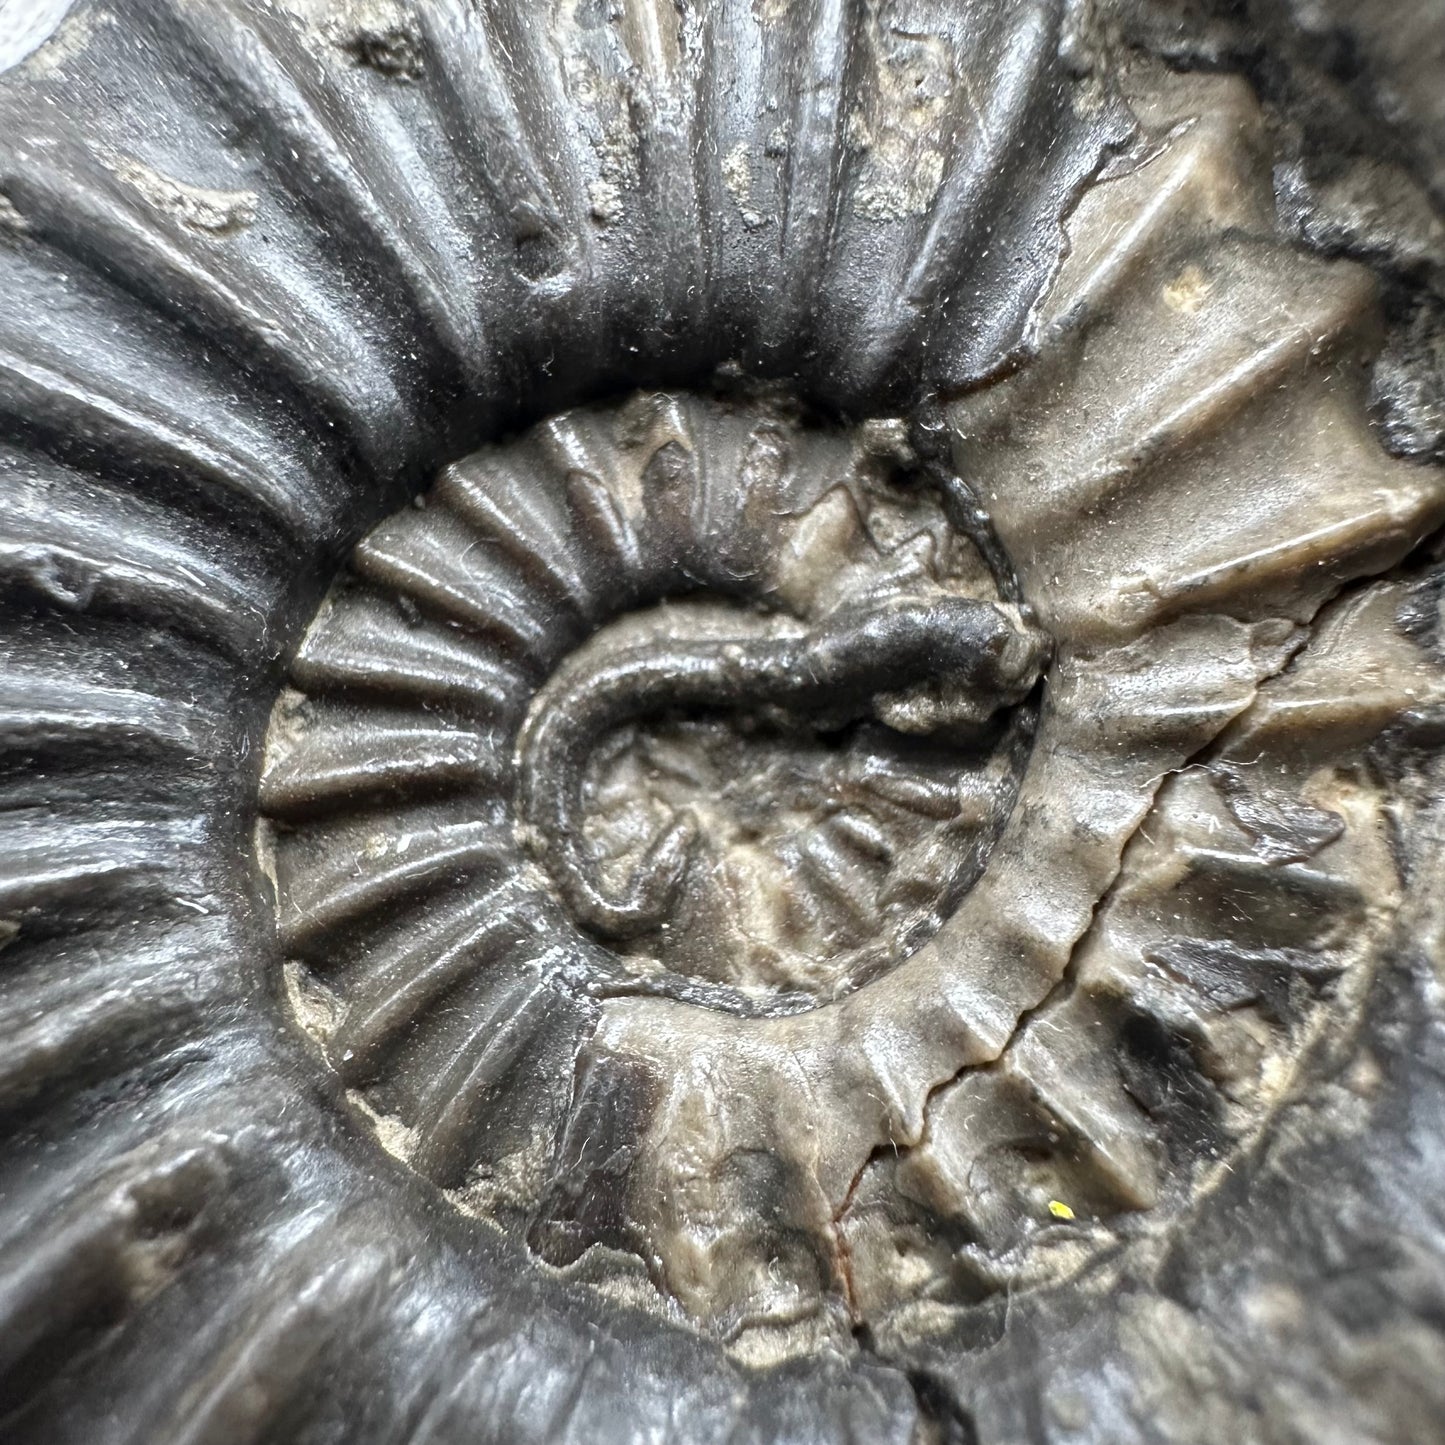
[362, 363]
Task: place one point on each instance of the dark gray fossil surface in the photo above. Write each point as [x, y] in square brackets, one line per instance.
[722, 721]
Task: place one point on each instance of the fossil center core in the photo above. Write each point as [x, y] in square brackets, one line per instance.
[691, 700]
[721, 790]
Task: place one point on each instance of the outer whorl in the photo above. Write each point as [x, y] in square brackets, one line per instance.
[719, 726]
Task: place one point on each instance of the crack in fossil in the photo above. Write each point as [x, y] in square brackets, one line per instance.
[1065, 984]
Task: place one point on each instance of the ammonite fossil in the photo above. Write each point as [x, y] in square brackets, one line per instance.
[723, 724]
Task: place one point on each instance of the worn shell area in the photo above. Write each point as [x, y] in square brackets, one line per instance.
[264, 270]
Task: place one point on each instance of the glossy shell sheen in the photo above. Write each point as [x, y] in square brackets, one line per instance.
[435, 439]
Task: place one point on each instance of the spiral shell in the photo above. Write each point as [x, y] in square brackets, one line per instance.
[354, 1089]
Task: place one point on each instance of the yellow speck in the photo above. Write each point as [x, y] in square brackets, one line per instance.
[1060, 1210]
[1188, 291]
